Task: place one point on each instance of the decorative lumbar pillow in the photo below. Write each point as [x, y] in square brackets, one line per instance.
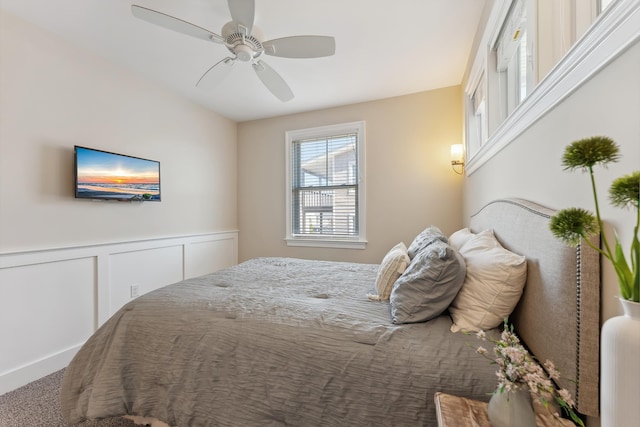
[424, 239]
[428, 285]
[392, 266]
[460, 237]
[493, 285]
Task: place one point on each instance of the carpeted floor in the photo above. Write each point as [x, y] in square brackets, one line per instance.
[36, 405]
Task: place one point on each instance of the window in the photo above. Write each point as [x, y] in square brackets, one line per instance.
[478, 118]
[533, 53]
[511, 59]
[325, 186]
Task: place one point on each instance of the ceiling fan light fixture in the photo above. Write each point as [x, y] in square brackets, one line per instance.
[243, 53]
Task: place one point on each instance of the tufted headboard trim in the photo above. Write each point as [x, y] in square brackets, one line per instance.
[558, 316]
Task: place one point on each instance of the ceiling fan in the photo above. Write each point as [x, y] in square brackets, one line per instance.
[245, 43]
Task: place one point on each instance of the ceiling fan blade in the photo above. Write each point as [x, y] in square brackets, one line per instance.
[301, 46]
[175, 24]
[243, 13]
[273, 81]
[214, 75]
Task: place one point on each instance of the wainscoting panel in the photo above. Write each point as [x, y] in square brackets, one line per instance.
[201, 257]
[147, 269]
[52, 300]
[45, 309]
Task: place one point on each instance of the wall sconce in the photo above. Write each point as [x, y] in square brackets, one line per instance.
[457, 158]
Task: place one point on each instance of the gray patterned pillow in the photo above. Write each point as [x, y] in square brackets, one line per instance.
[428, 285]
[424, 239]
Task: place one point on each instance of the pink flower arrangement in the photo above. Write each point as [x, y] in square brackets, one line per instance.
[518, 370]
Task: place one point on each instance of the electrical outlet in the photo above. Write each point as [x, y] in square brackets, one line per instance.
[135, 290]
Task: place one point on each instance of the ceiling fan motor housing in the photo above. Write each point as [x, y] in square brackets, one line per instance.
[245, 47]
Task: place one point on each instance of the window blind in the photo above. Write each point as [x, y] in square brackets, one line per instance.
[325, 186]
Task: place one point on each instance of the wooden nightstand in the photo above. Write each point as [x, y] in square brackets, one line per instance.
[454, 411]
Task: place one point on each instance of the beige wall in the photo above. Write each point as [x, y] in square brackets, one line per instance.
[409, 183]
[608, 104]
[53, 96]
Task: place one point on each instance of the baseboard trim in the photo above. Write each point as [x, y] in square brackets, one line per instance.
[35, 370]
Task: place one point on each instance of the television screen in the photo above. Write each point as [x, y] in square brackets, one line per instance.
[104, 175]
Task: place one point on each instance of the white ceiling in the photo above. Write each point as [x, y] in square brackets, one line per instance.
[383, 48]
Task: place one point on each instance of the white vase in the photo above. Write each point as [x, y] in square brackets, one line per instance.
[620, 368]
[511, 408]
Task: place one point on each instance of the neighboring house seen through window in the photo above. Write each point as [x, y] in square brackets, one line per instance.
[325, 186]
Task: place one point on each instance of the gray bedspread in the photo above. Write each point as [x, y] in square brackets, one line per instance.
[271, 342]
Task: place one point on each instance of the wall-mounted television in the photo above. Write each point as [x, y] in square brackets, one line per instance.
[111, 176]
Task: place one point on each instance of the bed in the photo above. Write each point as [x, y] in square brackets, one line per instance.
[292, 342]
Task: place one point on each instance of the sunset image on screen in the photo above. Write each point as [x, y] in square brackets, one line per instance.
[107, 175]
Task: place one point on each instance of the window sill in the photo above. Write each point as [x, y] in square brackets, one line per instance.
[326, 243]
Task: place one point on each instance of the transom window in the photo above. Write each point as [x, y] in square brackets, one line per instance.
[511, 59]
[325, 203]
[521, 49]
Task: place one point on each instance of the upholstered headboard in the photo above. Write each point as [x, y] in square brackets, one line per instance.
[558, 316]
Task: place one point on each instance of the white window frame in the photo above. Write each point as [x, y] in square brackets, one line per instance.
[513, 38]
[476, 107]
[614, 31]
[355, 242]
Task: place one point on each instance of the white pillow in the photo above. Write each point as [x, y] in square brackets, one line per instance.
[460, 237]
[493, 285]
[393, 265]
